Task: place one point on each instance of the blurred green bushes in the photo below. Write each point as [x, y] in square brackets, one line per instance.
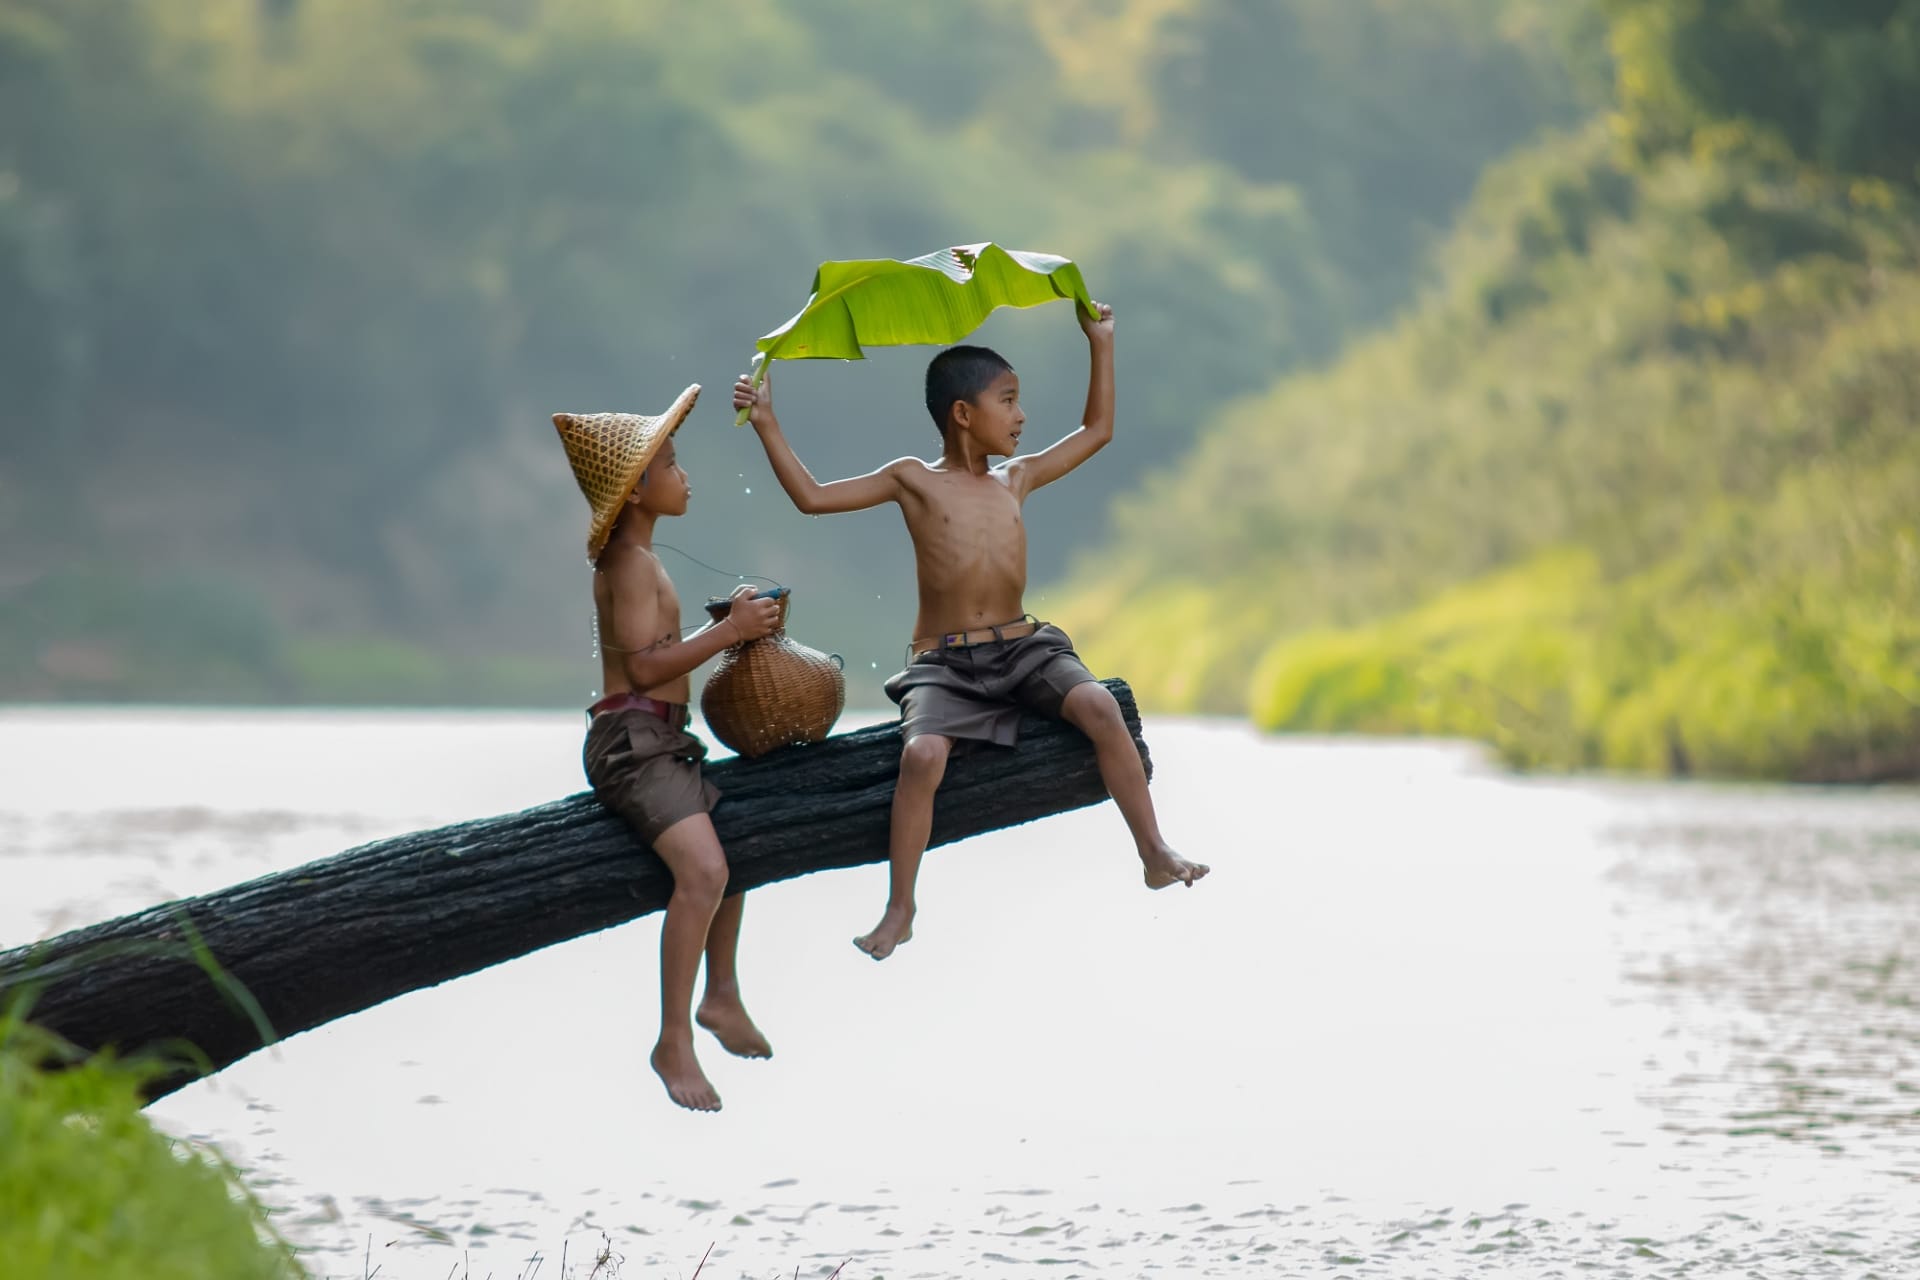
[107, 635]
[89, 1188]
[1635, 487]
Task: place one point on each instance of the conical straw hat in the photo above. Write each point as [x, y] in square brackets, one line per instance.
[608, 451]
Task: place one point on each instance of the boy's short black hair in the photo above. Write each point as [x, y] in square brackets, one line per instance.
[960, 373]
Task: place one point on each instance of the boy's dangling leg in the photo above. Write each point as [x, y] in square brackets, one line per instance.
[1091, 709]
[692, 852]
[923, 763]
[720, 1009]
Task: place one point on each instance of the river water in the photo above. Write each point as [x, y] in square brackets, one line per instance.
[1425, 1019]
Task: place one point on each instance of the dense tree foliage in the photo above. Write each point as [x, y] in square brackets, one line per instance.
[1618, 475]
[1832, 81]
[288, 290]
[1632, 487]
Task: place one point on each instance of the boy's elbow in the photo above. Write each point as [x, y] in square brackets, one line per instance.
[800, 494]
[647, 672]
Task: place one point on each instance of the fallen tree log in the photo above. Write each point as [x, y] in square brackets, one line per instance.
[206, 981]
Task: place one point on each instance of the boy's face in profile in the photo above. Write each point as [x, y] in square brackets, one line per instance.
[994, 418]
[664, 488]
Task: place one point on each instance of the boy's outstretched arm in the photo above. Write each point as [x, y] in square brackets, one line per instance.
[808, 494]
[1096, 420]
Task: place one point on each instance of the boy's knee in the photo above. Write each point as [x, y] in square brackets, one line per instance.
[924, 755]
[703, 879]
[1092, 706]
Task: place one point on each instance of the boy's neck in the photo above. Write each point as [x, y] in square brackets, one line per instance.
[634, 527]
[962, 452]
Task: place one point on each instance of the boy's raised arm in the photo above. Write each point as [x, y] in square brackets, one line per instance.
[1096, 420]
[856, 493]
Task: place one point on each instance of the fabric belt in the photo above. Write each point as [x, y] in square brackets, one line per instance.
[674, 713]
[1023, 626]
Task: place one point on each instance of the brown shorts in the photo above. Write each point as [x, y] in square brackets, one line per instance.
[647, 771]
[977, 692]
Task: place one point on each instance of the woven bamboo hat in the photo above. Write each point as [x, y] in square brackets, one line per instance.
[608, 451]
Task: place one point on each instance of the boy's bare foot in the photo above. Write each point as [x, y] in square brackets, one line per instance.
[894, 928]
[1165, 867]
[731, 1026]
[686, 1083]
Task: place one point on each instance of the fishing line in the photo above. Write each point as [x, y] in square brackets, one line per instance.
[738, 577]
[695, 626]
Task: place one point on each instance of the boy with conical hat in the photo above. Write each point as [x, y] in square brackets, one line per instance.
[640, 759]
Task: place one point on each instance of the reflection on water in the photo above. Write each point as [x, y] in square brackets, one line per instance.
[1424, 1020]
[1798, 942]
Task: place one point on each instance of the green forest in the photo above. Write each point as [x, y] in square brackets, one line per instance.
[1536, 372]
[289, 292]
[1635, 483]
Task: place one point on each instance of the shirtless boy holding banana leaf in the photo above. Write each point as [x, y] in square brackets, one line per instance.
[978, 658]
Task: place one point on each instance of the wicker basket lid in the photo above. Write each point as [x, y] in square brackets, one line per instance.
[608, 452]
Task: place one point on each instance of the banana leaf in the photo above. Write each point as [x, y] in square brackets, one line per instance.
[938, 298]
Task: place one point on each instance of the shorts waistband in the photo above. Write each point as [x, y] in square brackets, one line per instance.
[676, 714]
[1025, 625]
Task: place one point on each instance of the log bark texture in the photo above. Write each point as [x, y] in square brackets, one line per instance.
[229, 972]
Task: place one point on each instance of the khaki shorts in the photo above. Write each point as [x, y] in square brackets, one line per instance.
[647, 771]
[978, 692]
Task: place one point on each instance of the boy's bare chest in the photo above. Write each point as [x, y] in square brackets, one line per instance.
[970, 517]
[666, 599]
[638, 606]
[666, 610]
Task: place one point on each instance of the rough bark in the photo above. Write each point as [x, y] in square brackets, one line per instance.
[230, 971]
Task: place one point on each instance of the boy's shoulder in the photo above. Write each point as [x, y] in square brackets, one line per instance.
[910, 468]
[632, 563]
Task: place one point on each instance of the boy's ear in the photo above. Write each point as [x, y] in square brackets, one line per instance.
[960, 413]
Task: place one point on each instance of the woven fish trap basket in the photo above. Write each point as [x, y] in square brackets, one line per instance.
[772, 692]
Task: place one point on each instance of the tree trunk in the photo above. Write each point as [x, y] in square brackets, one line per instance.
[210, 979]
